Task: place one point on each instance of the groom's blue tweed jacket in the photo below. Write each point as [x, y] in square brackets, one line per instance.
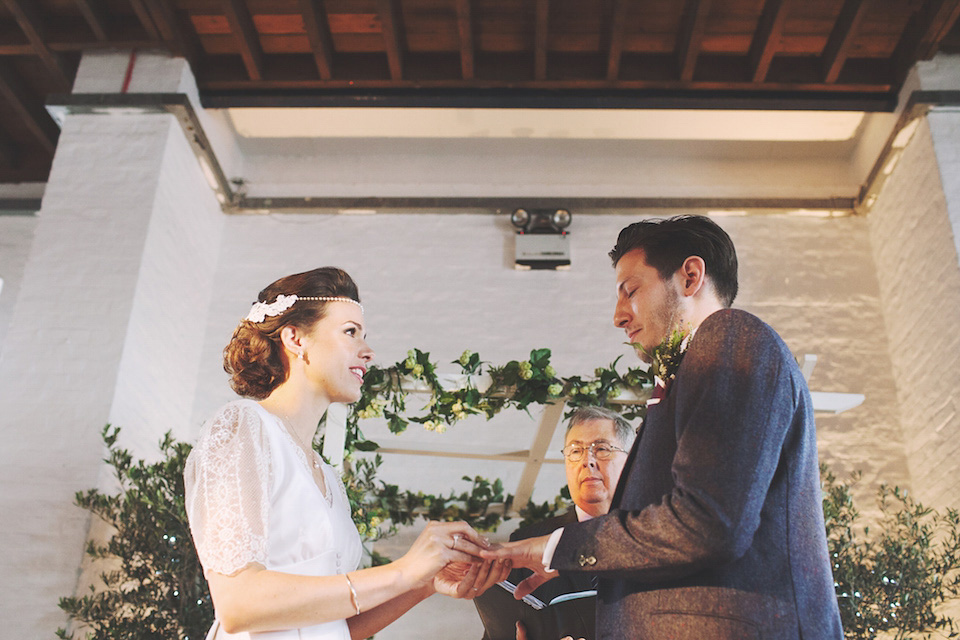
[717, 525]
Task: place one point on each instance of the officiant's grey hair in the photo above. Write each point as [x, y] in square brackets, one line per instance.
[623, 429]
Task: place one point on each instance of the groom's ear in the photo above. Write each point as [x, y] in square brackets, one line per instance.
[693, 275]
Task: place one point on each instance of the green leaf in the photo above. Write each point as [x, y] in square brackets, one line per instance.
[366, 445]
[540, 358]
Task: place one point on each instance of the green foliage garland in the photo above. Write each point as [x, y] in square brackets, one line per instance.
[517, 384]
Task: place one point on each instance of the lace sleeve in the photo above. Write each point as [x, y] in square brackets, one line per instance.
[227, 490]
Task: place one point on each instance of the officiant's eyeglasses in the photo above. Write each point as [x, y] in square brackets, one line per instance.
[601, 451]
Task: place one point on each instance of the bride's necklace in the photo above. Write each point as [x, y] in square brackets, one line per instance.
[308, 450]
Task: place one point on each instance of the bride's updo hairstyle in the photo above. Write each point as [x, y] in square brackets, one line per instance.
[255, 357]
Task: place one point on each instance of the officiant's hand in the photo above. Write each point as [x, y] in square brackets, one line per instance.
[522, 633]
[524, 553]
[469, 579]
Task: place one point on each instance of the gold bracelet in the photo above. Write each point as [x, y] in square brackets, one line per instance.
[353, 594]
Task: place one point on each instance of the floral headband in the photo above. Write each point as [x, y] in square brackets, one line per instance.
[261, 310]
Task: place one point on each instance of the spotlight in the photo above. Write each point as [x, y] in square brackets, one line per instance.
[519, 218]
[551, 221]
[561, 218]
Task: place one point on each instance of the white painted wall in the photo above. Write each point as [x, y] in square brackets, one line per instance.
[479, 167]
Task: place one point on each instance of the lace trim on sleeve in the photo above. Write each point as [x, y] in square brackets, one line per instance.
[227, 481]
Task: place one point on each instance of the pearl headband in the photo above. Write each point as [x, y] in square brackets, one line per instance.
[261, 310]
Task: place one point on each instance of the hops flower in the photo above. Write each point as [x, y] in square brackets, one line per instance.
[555, 389]
[465, 357]
[526, 374]
[549, 371]
[417, 370]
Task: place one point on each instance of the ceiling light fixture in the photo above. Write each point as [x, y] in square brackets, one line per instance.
[542, 241]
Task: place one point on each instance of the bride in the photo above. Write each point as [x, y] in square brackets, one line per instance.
[269, 518]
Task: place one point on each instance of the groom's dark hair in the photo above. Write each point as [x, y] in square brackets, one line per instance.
[666, 243]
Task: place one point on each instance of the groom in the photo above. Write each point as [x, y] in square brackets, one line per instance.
[716, 528]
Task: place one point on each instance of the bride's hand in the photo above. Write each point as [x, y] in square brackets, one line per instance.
[470, 579]
[440, 544]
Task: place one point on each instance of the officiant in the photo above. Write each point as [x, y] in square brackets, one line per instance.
[595, 449]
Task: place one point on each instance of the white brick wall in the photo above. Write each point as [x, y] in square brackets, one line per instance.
[945, 133]
[16, 238]
[916, 258]
[160, 361]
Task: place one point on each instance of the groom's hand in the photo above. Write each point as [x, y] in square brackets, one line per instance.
[524, 553]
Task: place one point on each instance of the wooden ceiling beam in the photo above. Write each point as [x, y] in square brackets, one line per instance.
[143, 15]
[691, 35]
[30, 112]
[246, 36]
[9, 152]
[95, 16]
[29, 20]
[840, 42]
[541, 32]
[615, 39]
[391, 21]
[465, 28]
[182, 41]
[766, 39]
[318, 33]
[941, 23]
[922, 33]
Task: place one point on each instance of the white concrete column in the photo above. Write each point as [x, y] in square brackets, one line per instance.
[943, 74]
[108, 326]
[914, 228]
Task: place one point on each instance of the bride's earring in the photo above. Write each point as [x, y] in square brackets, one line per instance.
[300, 354]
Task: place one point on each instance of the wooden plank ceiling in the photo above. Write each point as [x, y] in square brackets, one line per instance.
[479, 52]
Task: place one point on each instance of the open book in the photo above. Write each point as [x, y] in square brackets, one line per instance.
[565, 614]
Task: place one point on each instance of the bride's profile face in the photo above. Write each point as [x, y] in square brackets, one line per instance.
[337, 353]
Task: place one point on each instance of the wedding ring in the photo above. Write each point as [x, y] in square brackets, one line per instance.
[456, 539]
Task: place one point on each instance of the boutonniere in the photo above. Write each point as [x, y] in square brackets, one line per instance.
[665, 358]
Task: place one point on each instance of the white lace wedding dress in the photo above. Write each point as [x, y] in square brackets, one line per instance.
[251, 497]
